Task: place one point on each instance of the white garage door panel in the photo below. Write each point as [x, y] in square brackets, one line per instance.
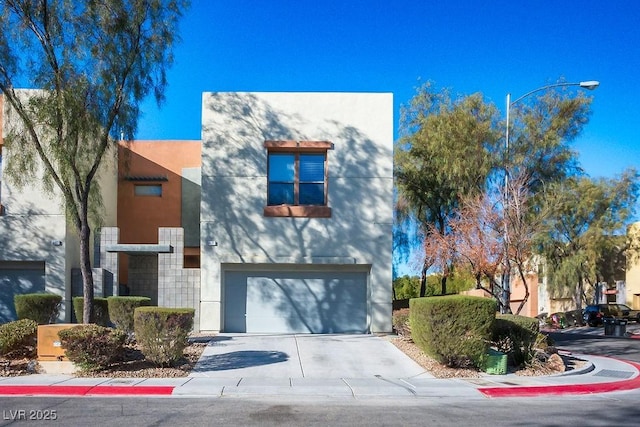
[295, 302]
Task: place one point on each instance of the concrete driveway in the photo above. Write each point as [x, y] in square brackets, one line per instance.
[304, 356]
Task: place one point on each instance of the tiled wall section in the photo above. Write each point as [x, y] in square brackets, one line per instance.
[177, 286]
[109, 260]
[143, 276]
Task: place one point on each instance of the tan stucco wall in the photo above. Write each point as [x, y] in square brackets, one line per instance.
[633, 267]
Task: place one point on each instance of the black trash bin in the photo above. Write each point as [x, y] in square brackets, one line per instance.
[609, 325]
[620, 328]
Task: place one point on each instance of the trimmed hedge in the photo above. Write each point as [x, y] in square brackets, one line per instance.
[92, 347]
[162, 332]
[18, 338]
[516, 336]
[121, 309]
[455, 330]
[42, 308]
[100, 310]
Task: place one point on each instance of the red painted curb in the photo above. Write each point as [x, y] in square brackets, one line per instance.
[529, 391]
[71, 390]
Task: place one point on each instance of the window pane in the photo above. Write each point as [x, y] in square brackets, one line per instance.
[312, 168]
[148, 190]
[281, 167]
[280, 194]
[312, 194]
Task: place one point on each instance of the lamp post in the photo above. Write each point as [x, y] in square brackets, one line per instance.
[590, 85]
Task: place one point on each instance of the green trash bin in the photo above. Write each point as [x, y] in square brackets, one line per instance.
[495, 362]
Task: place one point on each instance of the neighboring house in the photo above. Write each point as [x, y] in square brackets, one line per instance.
[296, 212]
[38, 249]
[633, 267]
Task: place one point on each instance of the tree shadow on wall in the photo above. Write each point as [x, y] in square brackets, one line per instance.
[234, 184]
[26, 242]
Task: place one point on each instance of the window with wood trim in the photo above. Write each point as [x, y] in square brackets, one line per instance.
[297, 178]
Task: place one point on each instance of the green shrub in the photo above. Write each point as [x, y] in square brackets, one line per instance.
[42, 308]
[121, 309]
[400, 321]
[455, 330]
[100, 310]
[516, 336]
[92, 347]
[162, 332]
[18, 338]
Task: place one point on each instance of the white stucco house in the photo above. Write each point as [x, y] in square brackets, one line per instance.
[296, 212]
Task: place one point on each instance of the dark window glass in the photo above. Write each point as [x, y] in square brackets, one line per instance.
[304, 186]
[281, 194]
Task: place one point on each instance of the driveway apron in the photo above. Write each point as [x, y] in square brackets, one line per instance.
[304, 356]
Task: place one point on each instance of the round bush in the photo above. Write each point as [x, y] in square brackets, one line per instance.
[92, 347]
[42, 308]
[100, 310]
[121, 309]
[162, 332]
[18, 338]
[455, 330]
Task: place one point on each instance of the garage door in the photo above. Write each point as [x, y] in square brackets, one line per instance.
[295, 302]
[21, 277]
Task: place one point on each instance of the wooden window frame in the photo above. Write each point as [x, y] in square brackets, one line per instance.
[296, 148]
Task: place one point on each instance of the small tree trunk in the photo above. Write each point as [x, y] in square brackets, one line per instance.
[85, 267]
[506, 291]
[423, 281]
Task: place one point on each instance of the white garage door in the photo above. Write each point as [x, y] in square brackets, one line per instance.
[19, 277]
[295, 302]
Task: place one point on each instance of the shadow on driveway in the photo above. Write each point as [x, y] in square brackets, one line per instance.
[239, 359]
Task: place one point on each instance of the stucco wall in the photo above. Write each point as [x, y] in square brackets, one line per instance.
[34, 218]
[234, 188]
[633, 267]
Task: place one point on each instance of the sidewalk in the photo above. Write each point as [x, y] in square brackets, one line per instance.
[600, 375]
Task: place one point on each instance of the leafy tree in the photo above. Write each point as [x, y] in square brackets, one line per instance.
[541, 131]
[586, 215]
[444, 153]
[406, 287]
[449, 151]
[94, 61]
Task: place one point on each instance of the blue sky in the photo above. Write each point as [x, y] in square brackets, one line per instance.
[394, 46]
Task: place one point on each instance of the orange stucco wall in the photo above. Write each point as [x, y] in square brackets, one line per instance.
[140, 216]
[530, 308]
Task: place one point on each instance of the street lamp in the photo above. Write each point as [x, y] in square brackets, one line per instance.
[590, 85]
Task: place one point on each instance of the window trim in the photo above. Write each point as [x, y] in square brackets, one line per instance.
[297, 148]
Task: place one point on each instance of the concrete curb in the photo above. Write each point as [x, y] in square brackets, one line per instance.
[565, 389]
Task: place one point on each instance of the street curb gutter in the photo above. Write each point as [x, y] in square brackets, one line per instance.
[530, 391]
[61, 390]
